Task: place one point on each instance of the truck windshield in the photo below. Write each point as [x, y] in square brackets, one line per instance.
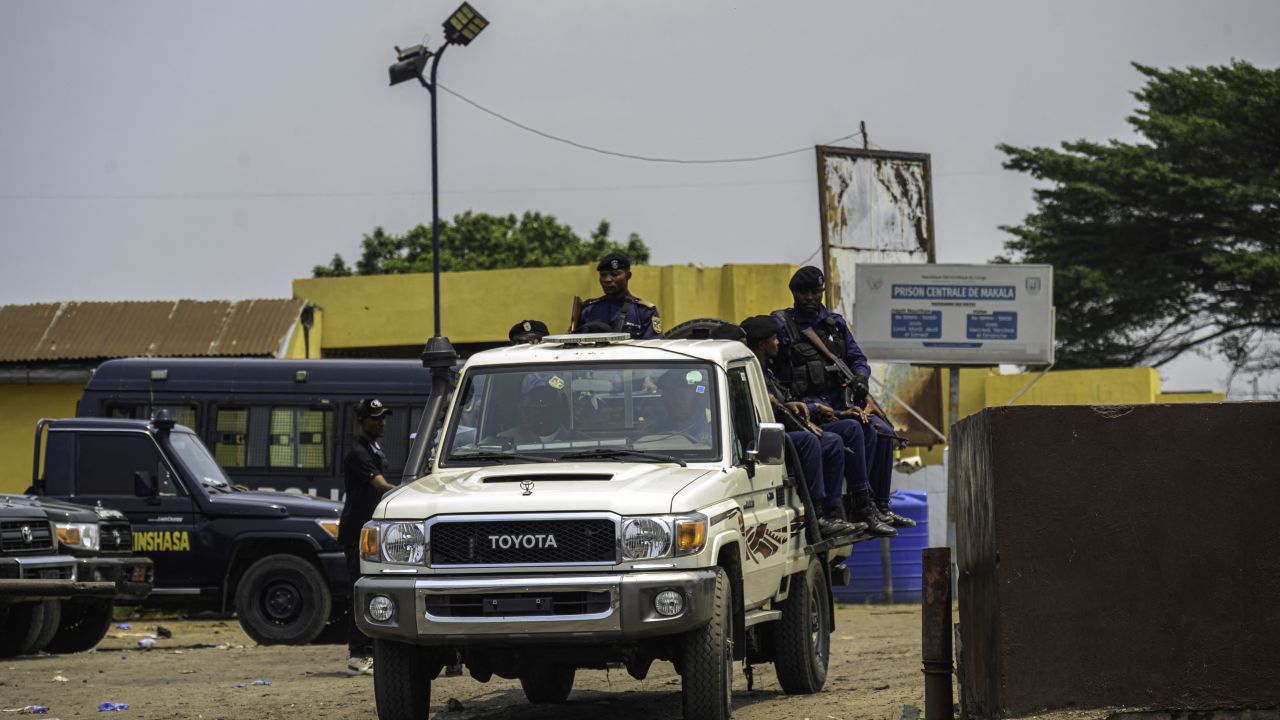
[556, 410]
[192, 454]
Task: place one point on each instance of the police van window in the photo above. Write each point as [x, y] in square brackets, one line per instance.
[106, 464]
[277, 437]
[395, 438]
[742, 412]
[182, 414]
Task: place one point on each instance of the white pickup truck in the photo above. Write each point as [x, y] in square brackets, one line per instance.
[596, 500]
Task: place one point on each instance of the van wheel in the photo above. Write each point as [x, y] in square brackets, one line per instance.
[20, 628]
[401, 681]
[546, 684]
[85, 622]
[802, 636]
[283, 600]
[706, 661]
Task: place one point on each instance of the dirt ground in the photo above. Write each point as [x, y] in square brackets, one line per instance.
[874, 673]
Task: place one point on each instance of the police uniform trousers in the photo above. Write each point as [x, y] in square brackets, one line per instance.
[880, 469]
[861, 443]
[358, 644]
[823, 462]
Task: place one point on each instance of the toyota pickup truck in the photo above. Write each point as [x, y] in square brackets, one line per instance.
[101, 541]
[595, 500]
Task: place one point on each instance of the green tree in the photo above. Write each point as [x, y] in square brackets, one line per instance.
[1172, 243]
[480, 241]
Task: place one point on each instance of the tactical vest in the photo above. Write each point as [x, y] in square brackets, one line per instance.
[805, 369]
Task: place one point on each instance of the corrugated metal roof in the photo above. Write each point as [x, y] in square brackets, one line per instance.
[179, 328]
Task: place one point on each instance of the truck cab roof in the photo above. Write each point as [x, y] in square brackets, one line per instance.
[719, 352]
[104, 424]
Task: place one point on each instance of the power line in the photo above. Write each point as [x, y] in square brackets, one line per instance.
[806, 260]
[632, 156]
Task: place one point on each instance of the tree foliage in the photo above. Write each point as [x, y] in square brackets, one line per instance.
[1171, 243]
[480, 241]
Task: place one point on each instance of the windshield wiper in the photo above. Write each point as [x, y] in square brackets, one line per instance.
[501, 456]
[603, 452]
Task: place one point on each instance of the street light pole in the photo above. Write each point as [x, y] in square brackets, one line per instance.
[460, 29]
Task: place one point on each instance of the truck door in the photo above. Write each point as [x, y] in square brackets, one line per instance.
[767, 520]
[163, 526]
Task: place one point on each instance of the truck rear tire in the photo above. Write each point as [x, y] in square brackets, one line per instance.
[283, 600]
[20, 628]
[52, 618]
[548, 684]
[802, 636]
[706, 661]
[84, 623]
[401, 681]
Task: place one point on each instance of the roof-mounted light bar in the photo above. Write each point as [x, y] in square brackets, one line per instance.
[586, 339]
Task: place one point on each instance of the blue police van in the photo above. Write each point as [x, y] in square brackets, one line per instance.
[281, 425]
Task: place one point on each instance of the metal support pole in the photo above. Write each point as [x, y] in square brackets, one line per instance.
[886, 569]
[953, 416]
[435, 196]
[935, 640]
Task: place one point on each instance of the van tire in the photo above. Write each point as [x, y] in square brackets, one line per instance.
[283, 600]
[706, 660]
[85, 621]
[802, 636]
[548, 684]
[20, 628]
[401, 681]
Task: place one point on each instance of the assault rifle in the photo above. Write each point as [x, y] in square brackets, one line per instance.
[842, 368]
[577, 314]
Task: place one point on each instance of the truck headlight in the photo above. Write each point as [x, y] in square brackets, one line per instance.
[403, 543]
[83, 536]
[645, 538]
[369, 542]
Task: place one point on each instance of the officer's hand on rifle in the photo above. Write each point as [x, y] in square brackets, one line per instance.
[859, 388]
[823, 413]
[799, 408]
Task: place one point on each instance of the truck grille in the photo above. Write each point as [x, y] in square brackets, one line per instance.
[116, 537]
[518, 604]
[18, 536]
[524, 542]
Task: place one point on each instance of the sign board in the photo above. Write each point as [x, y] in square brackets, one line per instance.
[955, 314]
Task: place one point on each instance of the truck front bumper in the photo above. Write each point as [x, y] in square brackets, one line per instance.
[585, 608]
[45, 577]
[133, 577]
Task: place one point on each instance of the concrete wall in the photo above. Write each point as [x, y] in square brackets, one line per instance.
[20, 407]
[1118, 556]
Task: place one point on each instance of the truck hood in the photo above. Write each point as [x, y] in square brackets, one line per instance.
[269, 504]
[61, 510]
[622, 488]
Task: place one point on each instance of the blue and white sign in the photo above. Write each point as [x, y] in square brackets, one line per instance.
[955, 314]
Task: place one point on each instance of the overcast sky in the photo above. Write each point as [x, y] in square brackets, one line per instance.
[156, 150]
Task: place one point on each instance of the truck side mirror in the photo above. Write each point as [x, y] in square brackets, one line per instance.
[145, 484]
[770, 442]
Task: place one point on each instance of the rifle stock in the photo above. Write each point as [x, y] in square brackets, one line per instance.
[845, 372]
[576, 314]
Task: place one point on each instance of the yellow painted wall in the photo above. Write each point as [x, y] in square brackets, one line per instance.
[20, 407]
[482, 305]
[1190, 397]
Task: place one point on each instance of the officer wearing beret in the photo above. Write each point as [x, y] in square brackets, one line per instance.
[805, 369]
[618, 308]
[527, 332]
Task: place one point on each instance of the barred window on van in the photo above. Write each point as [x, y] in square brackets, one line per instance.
[276, 437]
[182, 414]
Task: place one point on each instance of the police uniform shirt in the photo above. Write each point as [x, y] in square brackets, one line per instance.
[642, 321]
[824, 323]
[362, 463]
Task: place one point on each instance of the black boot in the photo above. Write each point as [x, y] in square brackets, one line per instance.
[894, 518]
[864, 510]
[835, 515]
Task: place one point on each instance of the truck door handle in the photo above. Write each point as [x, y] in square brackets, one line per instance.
[769, 495]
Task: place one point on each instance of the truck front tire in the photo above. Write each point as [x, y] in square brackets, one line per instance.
[84, 623]
[706, 661]
[283, 600]
[548, 684]
[802, 637]
[401, 681]
[20, 627]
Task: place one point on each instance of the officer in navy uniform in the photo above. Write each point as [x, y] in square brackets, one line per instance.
[807, 372]
[617, 308]
[364, 471]
[527, 332]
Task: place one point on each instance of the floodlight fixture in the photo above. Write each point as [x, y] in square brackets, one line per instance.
[464, 25]
[410, 64]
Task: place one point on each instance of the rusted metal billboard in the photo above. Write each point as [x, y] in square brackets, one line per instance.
[877, 207]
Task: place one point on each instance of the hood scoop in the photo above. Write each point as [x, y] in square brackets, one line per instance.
[546, 478]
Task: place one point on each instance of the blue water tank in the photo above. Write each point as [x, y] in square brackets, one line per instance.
[867, 585]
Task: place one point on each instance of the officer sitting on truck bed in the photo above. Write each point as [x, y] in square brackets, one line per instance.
[834, 402]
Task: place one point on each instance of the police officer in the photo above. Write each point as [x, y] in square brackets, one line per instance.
[364, 472]
[618, 308]
[807, 371]
[837, 464]
[527, 332]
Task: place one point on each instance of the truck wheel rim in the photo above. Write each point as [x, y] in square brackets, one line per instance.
[281, 601]
[815, 630]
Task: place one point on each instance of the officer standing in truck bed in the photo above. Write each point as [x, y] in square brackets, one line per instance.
[618, 308]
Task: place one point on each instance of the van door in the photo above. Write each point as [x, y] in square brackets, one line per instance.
[767, 520]
[163, 526]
